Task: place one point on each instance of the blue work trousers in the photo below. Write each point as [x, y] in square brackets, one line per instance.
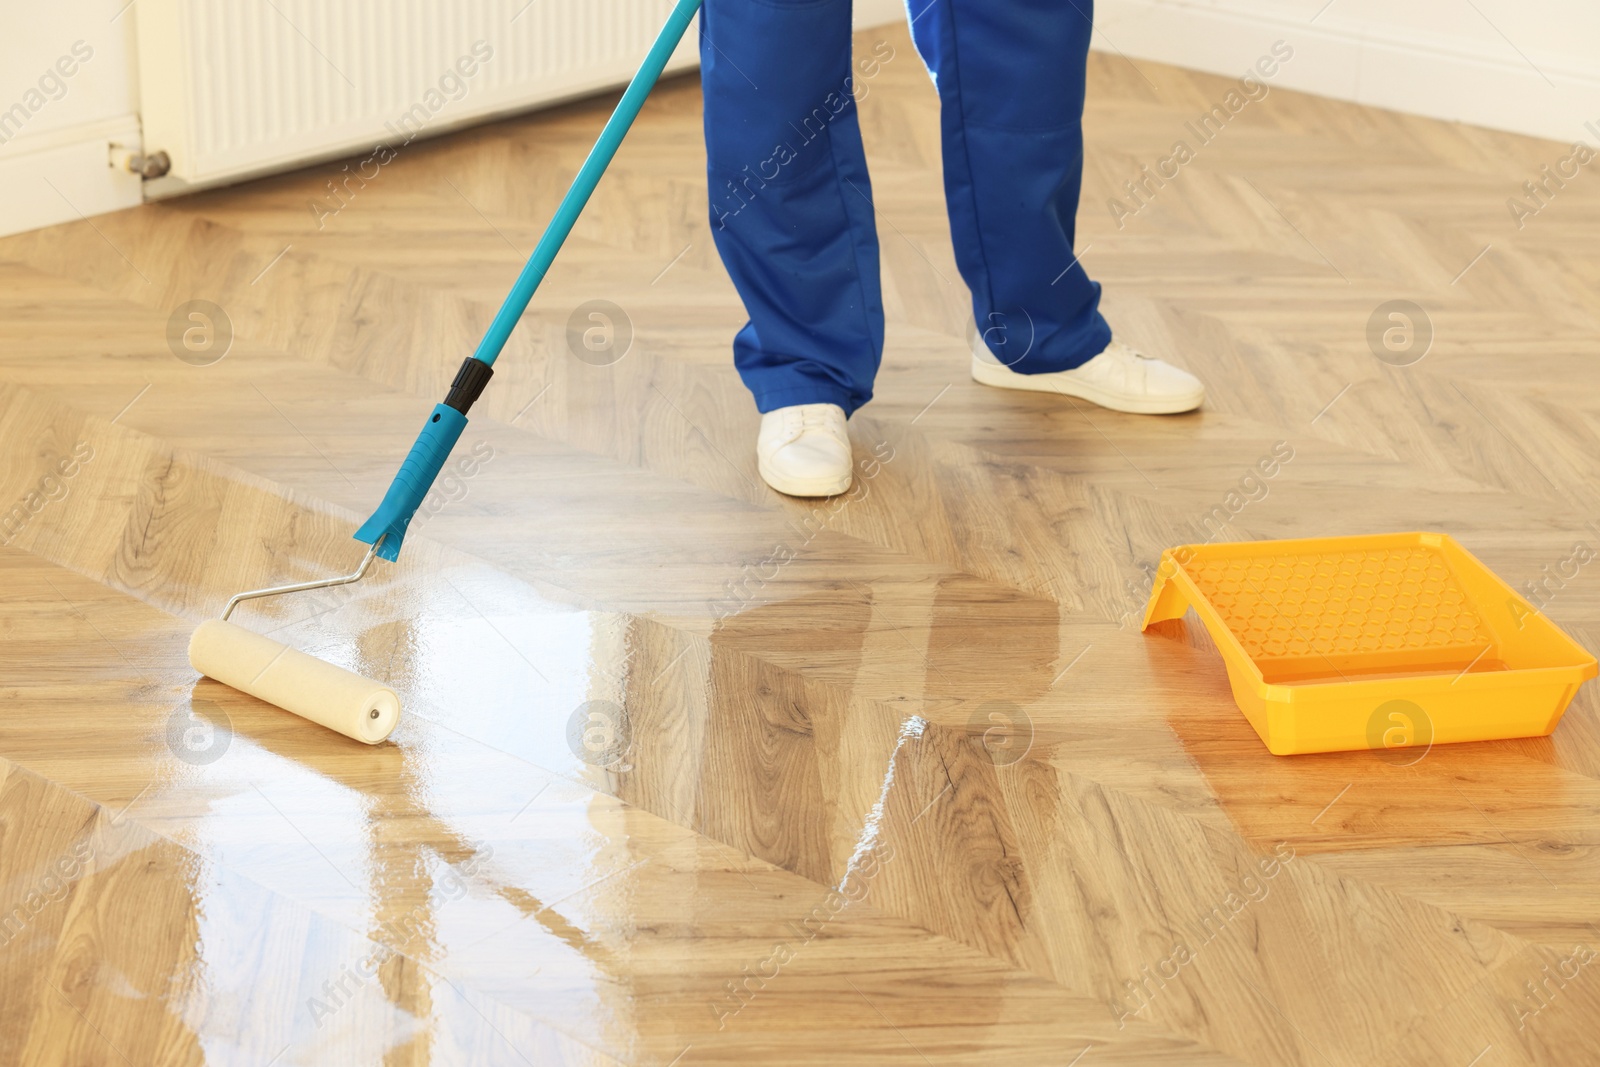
[792, 209]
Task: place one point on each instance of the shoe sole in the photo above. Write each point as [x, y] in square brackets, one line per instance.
[1002, 378]
[805, 487]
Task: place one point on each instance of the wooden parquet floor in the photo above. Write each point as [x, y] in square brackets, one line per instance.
[892, 780]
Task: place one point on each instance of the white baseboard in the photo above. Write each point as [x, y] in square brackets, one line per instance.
[867, 13]
[1387, 66]
[65, 175]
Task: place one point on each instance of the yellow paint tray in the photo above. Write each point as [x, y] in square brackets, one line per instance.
[1334, 644]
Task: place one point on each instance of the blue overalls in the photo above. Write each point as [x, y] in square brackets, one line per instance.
[792, 208]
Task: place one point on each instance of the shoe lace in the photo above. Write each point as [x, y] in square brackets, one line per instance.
[804, 417]
[1127, 364]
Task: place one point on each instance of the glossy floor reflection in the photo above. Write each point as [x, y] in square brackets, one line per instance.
[693, 773]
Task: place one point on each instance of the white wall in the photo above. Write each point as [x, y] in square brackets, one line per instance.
[1529, 66]
[55, 128]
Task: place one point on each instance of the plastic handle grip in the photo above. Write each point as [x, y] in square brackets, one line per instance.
[439, 435]
[444, 426]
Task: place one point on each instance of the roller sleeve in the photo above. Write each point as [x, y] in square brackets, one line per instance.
[311, 688]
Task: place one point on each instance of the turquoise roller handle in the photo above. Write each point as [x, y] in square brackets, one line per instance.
[411, 484]
[610, 139]
[444, 426]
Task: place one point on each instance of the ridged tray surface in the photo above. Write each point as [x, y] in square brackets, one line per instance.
[1338, 603]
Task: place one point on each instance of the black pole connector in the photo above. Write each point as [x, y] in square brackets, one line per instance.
[468, 386]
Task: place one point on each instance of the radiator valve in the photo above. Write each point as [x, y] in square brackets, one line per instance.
[153, 165]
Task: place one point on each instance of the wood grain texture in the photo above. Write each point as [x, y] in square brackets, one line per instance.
[896, 779]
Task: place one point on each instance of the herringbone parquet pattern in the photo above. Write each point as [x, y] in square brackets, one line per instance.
[893, 779]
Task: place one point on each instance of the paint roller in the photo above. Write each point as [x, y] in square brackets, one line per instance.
[313, 689]
[331, 696]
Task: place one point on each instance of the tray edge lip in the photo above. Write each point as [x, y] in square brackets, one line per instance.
[1586, 665]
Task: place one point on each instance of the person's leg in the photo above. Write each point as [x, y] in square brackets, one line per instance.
[1010, 75]
[791, 209]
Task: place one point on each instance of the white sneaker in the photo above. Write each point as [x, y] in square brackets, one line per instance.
[1120, 378]
[804, 450]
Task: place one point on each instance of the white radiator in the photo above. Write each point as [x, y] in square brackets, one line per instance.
[230, 88]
